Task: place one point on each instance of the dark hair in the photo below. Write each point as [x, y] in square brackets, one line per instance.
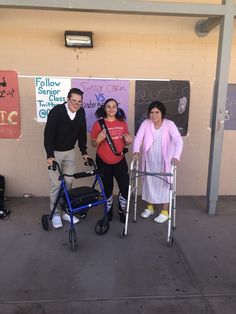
[101, 113]
[159, 105]
[75, 90]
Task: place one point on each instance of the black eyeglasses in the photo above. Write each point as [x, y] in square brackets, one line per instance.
[75, 102]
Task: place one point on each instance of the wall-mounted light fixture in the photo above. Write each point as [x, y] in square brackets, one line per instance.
[78, 39]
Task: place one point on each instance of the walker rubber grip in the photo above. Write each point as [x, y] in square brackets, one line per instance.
[86, 174]
[53, 166]
[89, 162]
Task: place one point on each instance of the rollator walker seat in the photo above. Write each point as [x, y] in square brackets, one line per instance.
[82, 195]
[78, 200]
[169, 178]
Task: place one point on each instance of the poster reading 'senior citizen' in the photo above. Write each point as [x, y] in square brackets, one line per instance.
[97, 91]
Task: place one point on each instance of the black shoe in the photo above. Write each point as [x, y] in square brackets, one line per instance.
[122, 216]
[110, 214]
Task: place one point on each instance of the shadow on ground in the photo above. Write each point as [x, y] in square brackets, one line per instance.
[109, 274]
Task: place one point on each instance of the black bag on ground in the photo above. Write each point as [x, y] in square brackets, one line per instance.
[2, 187]
[4, 213]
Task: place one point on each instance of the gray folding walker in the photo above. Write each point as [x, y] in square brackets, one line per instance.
[169, 178]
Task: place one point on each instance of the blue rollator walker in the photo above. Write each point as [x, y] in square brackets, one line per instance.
[169, 178]
[79, 200]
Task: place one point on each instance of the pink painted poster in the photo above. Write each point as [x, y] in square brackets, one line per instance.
[9, 105]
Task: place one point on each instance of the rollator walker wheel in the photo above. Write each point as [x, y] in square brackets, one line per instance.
[45, 222]
[72, 238]
[102, 226]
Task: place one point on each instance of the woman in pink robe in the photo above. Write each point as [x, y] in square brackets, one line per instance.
[161, 144]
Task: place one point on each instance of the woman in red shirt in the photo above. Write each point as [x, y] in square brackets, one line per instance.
[111, 159]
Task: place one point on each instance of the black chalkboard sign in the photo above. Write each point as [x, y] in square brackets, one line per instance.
[174, 94]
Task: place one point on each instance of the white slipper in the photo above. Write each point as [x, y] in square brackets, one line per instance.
[147, 213]
[161, 218]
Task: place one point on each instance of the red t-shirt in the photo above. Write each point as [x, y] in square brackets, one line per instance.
[116, 129]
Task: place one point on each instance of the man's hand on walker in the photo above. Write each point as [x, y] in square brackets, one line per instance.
[50, 160]
[85, 157]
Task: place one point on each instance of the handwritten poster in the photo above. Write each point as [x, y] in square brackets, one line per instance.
[9, 105]
[50, 92]
[97, 91]
[174, 94]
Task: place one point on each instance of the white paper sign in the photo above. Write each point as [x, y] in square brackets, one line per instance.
[50, 92]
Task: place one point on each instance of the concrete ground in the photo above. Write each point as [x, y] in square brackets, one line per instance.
[109, 274]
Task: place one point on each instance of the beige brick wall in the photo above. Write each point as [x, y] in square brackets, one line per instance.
[125, 46]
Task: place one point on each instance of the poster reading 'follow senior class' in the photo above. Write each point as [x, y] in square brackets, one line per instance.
[50, 92]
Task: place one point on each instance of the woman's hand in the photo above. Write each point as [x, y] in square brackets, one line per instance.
[174, 161]
[127, 139]
[101, 137]
[135, 155]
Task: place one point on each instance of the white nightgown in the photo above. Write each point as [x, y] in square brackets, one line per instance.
[155, 190]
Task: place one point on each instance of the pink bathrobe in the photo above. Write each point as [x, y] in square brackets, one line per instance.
[172, 143]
